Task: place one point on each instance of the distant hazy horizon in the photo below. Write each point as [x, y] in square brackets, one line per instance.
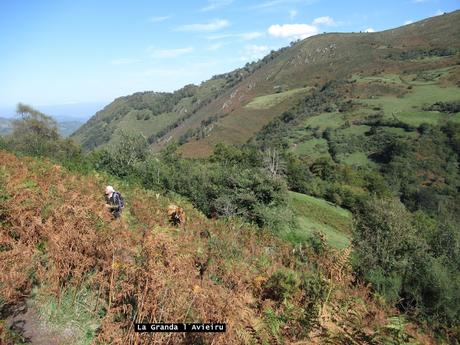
[75, 111]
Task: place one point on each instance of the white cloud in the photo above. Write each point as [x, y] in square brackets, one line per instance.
[255, 49]
[245, 36]
[419, 1]
[158, 19]
[123, 61]
[323, 21]
[369, 30]
[293, 14]
[273, 3]
[294, 31]
[169, 53]
[439, 13]
[214, 25]
[300, 31]
[215, 4]
[269, 4]
[407, 22]
[254, 52]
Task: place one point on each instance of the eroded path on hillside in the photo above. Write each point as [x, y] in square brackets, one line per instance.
[30, 328]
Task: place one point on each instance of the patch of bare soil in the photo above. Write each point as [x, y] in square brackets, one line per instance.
[26, 322]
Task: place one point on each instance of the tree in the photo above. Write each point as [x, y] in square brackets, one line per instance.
[324, 168]
[273, 162]
[127, 152]
[123, 158]
[33, 132]
[297, 173]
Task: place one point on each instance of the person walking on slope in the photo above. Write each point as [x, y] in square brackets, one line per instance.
[115, 203]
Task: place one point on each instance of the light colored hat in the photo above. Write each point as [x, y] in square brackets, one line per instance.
[109, 190]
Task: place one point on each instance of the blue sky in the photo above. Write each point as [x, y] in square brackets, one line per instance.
[63, 52]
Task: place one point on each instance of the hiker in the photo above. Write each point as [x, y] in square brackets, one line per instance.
[115, 202]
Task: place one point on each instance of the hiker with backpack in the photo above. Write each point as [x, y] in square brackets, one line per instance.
[115, 203]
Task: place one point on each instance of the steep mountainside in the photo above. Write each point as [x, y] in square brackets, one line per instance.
[234, 107]
[153, 114]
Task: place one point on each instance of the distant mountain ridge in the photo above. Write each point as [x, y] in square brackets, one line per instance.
[235, 106]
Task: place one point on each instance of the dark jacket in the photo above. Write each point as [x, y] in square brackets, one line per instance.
[116, 204]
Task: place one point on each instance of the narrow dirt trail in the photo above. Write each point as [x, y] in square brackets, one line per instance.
[27, 323]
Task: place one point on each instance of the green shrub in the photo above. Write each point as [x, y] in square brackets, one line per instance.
[387, 284]
[384, 241]
[314, 289]
[281, 285]
[412, 260]
[3, 144]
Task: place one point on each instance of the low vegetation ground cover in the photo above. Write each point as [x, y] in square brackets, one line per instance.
[92, 277]
[268, 101]
[319, 216]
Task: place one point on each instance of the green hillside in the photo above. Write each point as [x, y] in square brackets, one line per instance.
[357, 118]
[318, 215]
[308, 63]
[234, 107]
[153, 114]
